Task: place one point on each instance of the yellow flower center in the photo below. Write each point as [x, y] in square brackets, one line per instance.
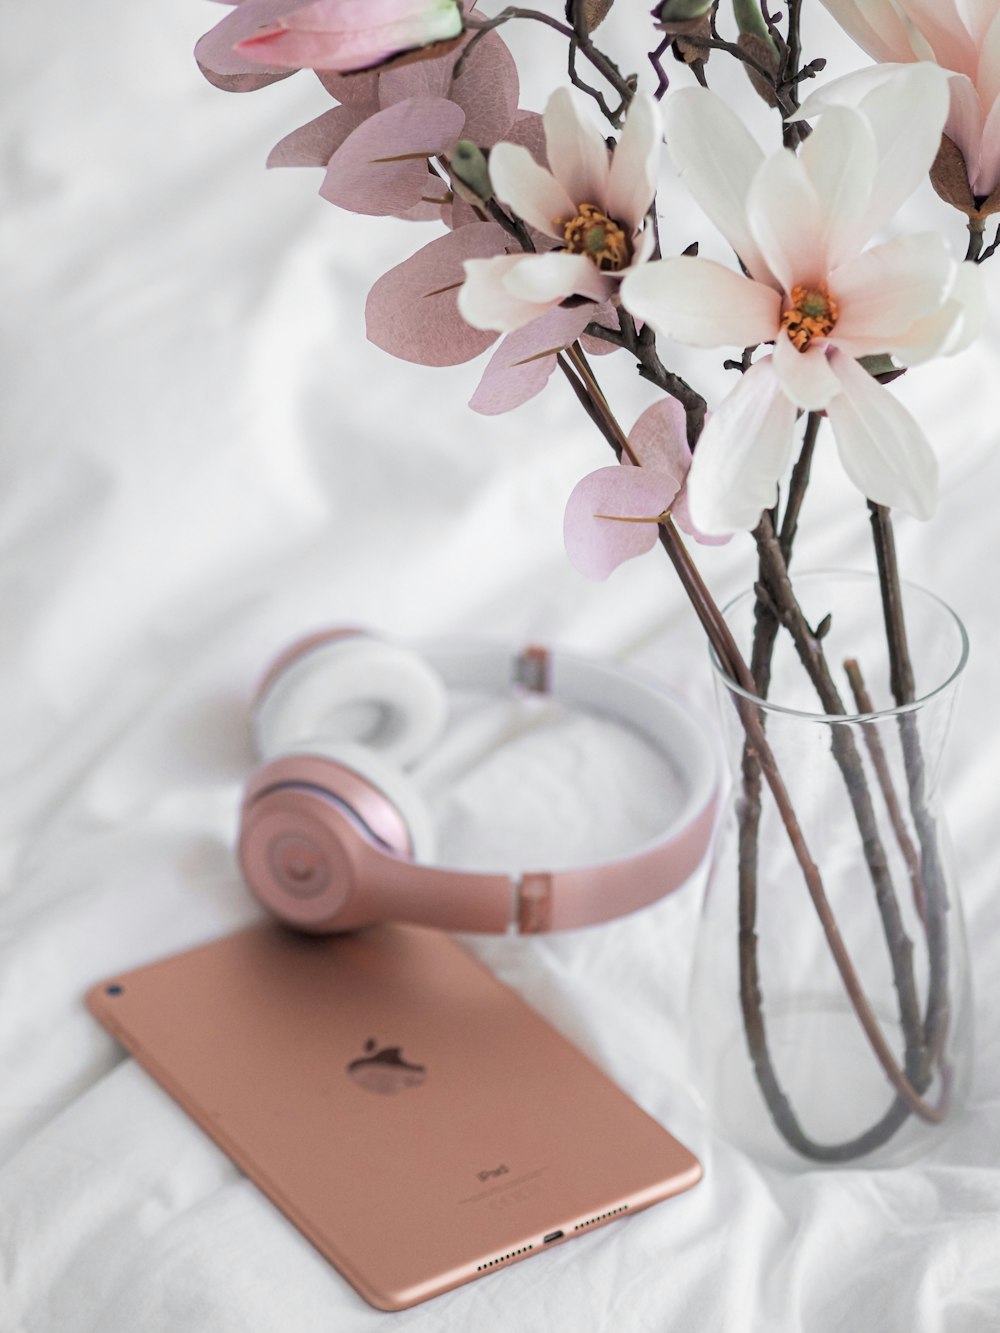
[600, 238]
[812, 314]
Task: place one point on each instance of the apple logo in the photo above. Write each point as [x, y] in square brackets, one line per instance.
[385, 1071]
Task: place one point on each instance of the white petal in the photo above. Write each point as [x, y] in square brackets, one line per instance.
[717, 158]
[575, 148]
[889, 288]
[883, 450]
[742, 452]
[840, 159]
[531, 191]
[552, 277]
[805, 377]
[876, 27]
[484, 301]
[957, 324]
[906, 107]
[784, 214]
[635, 163]
[702, 303]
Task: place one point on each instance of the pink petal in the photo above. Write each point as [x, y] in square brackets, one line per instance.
[938, 21]
[877, 29]
[220, 63]
[360, 90]
[360, 180]
[596, 546]
[841, 160]
[313, 144]
[636, 162]
[412, 310]
[518, 370]
[659, 439]
[576, 148]
[988, 175]
[606, 315]
[344, 36]
[486, 89]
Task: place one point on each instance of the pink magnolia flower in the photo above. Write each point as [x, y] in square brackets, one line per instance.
[959, 35]
[592, 204]
[799, 225]
[614, 514]
[341, 35]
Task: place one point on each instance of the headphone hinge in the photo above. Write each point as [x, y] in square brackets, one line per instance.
[534, 903]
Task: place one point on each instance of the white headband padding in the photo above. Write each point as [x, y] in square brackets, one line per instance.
[355, 690]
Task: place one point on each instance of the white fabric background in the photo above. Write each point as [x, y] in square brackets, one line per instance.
[202, 457]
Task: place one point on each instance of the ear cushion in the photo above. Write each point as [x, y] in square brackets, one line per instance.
[394, 785]
[352, 689]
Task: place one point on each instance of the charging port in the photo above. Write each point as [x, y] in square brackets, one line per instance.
[553, 1235]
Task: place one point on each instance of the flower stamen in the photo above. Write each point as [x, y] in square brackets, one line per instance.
[600, 238]
[813, 314]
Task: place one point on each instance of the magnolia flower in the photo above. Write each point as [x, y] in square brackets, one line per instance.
[591, 203]
[959, 36]
[799, 225]
[350, 35]
[614, 514]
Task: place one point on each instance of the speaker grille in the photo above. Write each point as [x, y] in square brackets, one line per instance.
[502, 1258]
[601, 1217]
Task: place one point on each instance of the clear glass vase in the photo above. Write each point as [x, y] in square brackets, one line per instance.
[833, 1024]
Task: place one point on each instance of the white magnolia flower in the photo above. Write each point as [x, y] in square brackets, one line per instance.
[592, 202]
[799, 224]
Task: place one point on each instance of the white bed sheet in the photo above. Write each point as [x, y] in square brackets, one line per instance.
[202, 457]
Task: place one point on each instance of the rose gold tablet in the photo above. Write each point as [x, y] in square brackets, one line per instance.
[412, 1116]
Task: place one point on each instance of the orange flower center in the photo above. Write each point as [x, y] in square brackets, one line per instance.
[812, 314]
[600, 238]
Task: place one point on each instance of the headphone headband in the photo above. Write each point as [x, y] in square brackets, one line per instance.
[536, 900]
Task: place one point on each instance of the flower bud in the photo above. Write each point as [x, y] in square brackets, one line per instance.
[468, 165]
[681, 11]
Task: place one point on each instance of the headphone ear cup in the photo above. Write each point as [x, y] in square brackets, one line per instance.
[394, 785]
[351, 689]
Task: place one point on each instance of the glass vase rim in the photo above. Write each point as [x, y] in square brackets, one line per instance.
[879, 714]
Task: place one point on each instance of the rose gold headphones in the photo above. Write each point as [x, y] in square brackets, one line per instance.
[335, 836]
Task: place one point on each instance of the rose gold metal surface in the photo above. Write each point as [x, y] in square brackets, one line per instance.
[412, 1116]
[298, 649]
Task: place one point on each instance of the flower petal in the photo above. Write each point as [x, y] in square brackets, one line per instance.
[576, 149]
[875, 25]
[805, 377]
[882, 449]
[553, 277]
[742, 452]
[717, 158]
[484, 301]
[361, 175]
[532, 192]
[840, 159]
[700, 302]
[597, 545]
[940, 25]
[412, 310]
[952, 328]
[987, 176]
[783, 210]
[906, 107]
[635, 163]
[522, 364]
[885, 291]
